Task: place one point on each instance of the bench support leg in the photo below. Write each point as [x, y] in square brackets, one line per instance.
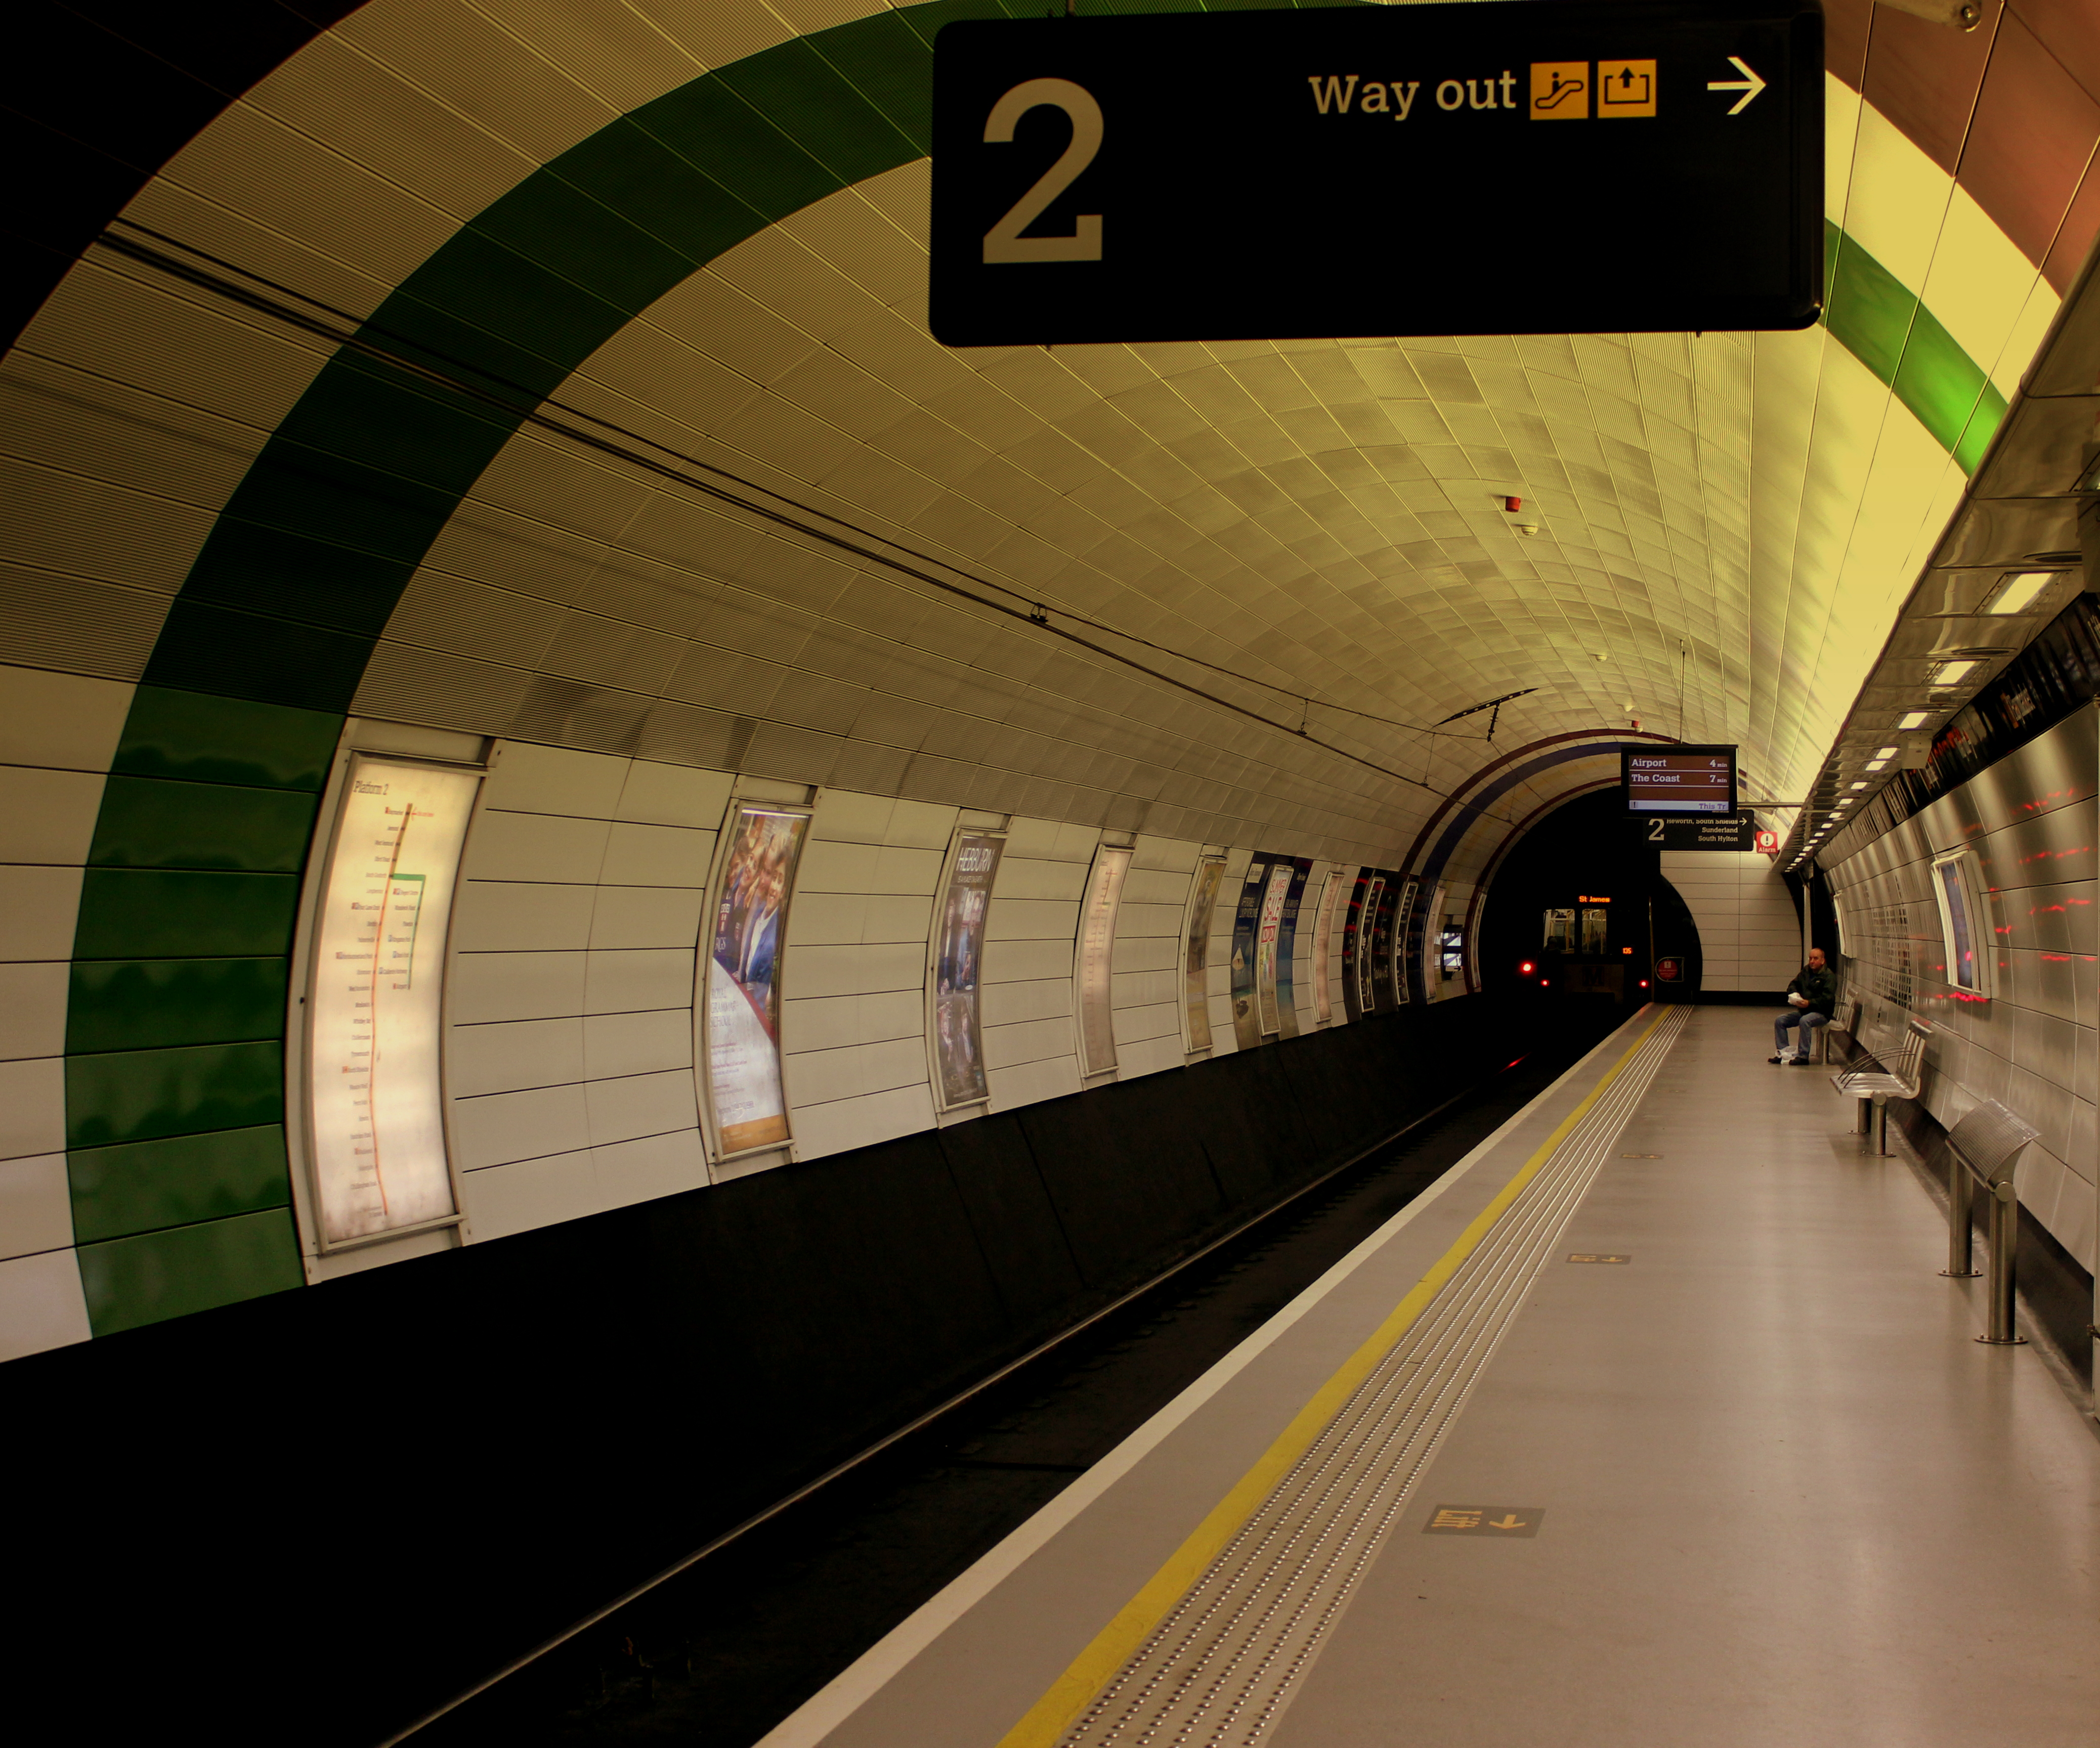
[1866, 1123]
[1957, 1220]
[2005, 1246]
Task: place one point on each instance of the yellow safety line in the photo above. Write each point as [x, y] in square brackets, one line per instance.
[1119, 1641]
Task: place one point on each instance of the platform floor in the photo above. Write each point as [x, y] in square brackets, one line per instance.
[1786, 1498]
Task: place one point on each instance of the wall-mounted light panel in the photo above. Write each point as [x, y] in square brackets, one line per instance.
[378, 1165]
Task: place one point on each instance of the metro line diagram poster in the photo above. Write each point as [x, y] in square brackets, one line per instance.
[958, 960]
[743, 978]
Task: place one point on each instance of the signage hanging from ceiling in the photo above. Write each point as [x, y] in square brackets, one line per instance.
[1678, 781]
[1434, 169]
[1711, 831]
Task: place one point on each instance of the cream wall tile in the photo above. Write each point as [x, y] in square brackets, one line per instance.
[641, 1170]
[495, 986]
[502, 1200]
[658, 855]
[897, 919]
[647, 1043]
[33, 1009]
[836, 865]
[848, 1123]
[1006, 1046]
[643, 916]
[898, 871]
[921, 825]
[41, 1305]
[32, 1108]
[36, 1206]
[836, 971]
[1030, 1083]
[513, 917]
[65, 721]
[825, 919]
[535, 847]
[849, 817]
[638, 979]
[1021, 878]
[509, 1057]
[1006, 1004]
[640, 1104]
[38, 908]
[1031, 919]
[47, 816]
[1027, 961]
[505, 1127]
[531, 779]
[674, 795]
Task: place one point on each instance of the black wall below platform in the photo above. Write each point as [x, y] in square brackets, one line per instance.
[312, 1517]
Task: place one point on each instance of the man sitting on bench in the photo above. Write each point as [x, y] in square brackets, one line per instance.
[1812, 998]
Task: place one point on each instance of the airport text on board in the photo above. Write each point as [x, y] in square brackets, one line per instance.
[1498, 168]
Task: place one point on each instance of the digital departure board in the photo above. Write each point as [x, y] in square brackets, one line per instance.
[374, 1087]
[1680, 780]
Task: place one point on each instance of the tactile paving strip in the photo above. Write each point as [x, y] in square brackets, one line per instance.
[1218, 1669]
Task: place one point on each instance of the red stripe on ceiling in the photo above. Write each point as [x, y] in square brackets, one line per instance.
[2031, 141]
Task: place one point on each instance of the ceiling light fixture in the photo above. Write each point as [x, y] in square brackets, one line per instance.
[1859, 785]
[1886, 752]
[1915, 718]
[1953, 673]
[2017, 590]
[1876, 764]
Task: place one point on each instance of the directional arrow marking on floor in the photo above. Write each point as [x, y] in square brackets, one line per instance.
[1750, 85]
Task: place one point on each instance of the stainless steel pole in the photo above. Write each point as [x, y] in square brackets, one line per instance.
[2004, 1248]
[1958, 1253]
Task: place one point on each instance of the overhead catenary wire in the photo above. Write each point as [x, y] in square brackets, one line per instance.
[341, 328]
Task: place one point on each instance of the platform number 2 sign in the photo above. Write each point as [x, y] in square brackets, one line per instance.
[1003, 242]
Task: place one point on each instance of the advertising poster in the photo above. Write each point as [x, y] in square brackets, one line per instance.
[958, 959]
[376, 1012]
[1196, 957]
[1267, 936]
[1323, 947]
[1403, 920]
[743, 978]
[1246, 1023]
[1096, 965]
[1365, 942]
[1377, 973]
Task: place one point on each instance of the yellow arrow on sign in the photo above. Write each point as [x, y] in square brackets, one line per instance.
[1511, 1521]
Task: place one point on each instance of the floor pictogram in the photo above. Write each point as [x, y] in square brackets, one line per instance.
[1484, 1520]
[1560, 91]
[1599, 1256]
[1625, 88]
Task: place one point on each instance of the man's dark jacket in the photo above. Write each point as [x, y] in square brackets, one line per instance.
[1819, 987]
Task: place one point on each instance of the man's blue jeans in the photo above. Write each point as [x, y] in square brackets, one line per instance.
[1805, 1017]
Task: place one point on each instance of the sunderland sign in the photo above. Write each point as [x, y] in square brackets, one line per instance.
[1500, 167]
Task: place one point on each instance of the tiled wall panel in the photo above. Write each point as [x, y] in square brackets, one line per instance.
[57, 734]
[576, 935]
[2030, 820]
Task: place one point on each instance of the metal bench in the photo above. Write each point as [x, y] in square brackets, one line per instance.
[1986, 1145]
[1875, 1087]
[1847, 1021]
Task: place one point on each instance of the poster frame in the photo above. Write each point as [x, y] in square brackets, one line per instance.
[1363, 983]
[1269, 996]
[937, 1082]
[711, 1134]
[1196, 910]
[1089, 1074]
[1323, 941]
[1246, 921]
[1403, 919]
[301, 1138]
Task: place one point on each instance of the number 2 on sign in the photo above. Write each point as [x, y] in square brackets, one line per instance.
[1655, 831]
[1004, 241]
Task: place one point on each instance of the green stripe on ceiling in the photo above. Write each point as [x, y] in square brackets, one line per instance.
[1885, 325]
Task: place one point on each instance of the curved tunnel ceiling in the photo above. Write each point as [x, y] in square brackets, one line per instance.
[638, 442]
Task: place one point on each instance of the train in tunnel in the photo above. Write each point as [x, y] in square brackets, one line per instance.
[625, 877]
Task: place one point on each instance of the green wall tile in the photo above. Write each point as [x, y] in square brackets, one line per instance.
[135, 1095]
[131, 1282]
[138, 1004]
[207, 739]
[146, 1186]
[150, 822]
[141, 913]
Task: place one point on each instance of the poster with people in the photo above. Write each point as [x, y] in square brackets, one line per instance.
[743, 978]
[1196, 957]
[958, 957]
[1265, 953]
